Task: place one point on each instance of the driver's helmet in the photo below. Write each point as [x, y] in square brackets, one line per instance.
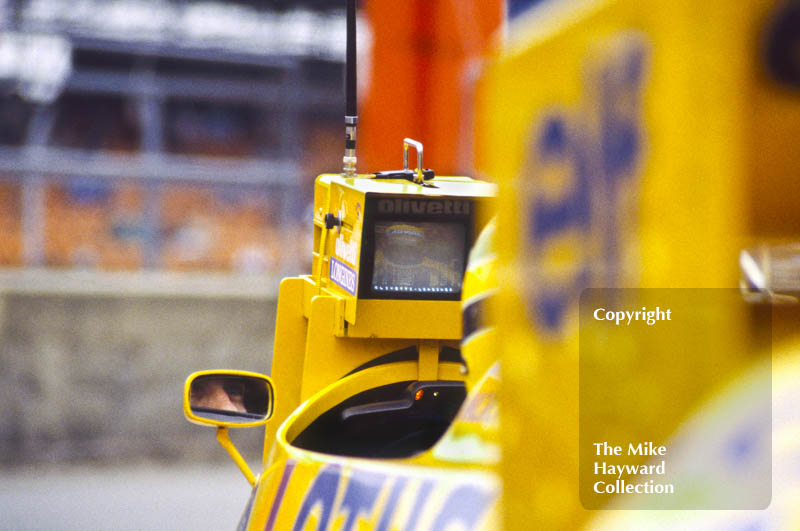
[480, 285]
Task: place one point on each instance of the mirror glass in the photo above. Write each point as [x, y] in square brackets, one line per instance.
[230, 398]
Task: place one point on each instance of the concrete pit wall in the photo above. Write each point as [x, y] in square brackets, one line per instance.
[100, 378]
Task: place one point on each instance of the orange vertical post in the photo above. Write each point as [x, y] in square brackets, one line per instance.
[418, 83]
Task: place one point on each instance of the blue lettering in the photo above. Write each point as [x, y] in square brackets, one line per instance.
[322, 493]
[423, 494]
[362, 491]
[575, 208]
[550, 218]
[592, 163]
[621, 136]
[391, 504]
[343, 276]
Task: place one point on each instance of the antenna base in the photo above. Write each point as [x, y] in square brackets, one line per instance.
[349, 162]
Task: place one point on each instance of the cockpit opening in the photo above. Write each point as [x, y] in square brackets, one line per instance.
[391, 421]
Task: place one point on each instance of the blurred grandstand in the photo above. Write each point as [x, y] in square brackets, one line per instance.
[157, 159]
[166, 135]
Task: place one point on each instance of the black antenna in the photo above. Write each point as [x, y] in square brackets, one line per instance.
[351, 106]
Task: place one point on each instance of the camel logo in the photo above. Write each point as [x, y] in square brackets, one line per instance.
[581, 181]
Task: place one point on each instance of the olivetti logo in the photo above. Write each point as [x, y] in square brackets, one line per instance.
[424, 206]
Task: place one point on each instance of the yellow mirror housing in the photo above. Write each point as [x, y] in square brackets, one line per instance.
[228, 398]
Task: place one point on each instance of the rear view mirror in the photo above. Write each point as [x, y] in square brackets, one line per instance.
[236, 399]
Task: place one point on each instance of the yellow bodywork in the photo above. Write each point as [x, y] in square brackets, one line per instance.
[323, 332]
[309, 490]
[636, 144]
[191, 417]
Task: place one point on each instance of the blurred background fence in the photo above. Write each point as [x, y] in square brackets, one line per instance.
[157, 160]
[98, 379]
[156, 165]
[164, 135]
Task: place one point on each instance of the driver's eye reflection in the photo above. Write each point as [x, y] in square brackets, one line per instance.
[216, 393]
[234, 389]
[231, 394]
